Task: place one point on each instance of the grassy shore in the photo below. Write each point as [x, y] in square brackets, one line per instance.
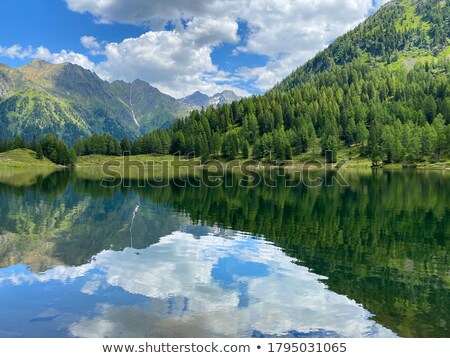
[24, 158]
[96, 160]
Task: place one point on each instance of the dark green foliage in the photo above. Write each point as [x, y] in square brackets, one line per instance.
[39, 152]
[48, 146]
[230, 146]
[72, 157]
[386, 113]
[33, 144]
[215, 144]
[354, 93]
[55, 150]
[125, 146]
[95, 144]
[245, 149]
[18, 142]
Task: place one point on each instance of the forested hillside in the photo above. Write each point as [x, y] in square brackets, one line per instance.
[72, 102]
[383, 87]
[382, 90]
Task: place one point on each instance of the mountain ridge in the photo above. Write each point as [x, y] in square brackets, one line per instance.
[71, 102]
[198, 100]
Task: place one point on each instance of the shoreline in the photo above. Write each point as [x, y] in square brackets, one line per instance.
[26, 159]
[297, 166]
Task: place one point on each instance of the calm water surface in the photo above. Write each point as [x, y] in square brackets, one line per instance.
[368, 260]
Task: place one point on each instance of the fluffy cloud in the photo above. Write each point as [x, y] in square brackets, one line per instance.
[177, 62]
[194, 291]
[182, 270]
[43, 53]
[90, 43]
[144, 11]
[63, 56]
[288, 32]
[15, 51]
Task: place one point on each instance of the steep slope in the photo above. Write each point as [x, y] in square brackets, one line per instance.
[150, 108]
[63, 99]
[72, 102]
[402, 32]
[382, 90]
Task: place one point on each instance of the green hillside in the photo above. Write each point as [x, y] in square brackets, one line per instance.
[382, 90]
[403, 32]
[23, 158]
[72, 102]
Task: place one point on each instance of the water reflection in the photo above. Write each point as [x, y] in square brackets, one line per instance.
[77, 255]
[183, 286]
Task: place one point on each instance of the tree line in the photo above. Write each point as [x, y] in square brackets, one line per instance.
[48, 146]
[391, 116]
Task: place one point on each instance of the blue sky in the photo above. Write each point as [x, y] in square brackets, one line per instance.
[176, 45]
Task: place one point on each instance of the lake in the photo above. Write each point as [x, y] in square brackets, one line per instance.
[79, 258]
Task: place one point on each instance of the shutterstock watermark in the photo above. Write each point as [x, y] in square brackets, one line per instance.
[190, 172]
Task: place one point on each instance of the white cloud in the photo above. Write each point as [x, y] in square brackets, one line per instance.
[177, 62]
[288, 32]
[15, 51]
[43, 53]
[187, 299]
[63, 56]
[90, 42]
[288, 297]
[144, 11]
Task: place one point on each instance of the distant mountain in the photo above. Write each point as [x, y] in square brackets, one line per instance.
[198, 99]
[70, 101]
[149, 108]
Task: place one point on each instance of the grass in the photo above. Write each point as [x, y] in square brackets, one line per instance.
[23, 158]
[97, 160]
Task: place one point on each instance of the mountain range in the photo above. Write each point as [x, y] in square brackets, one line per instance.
[199, 100]
[384, 87]
[72, 102]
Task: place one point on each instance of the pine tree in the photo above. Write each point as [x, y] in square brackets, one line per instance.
[18, 142]
[441, 133]
[245, 149]
[125, 146]
[258, 150]
[39, 152]
[362, 134]
[216, 143]
[33, 143]
[54, 156]
[72, 157]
